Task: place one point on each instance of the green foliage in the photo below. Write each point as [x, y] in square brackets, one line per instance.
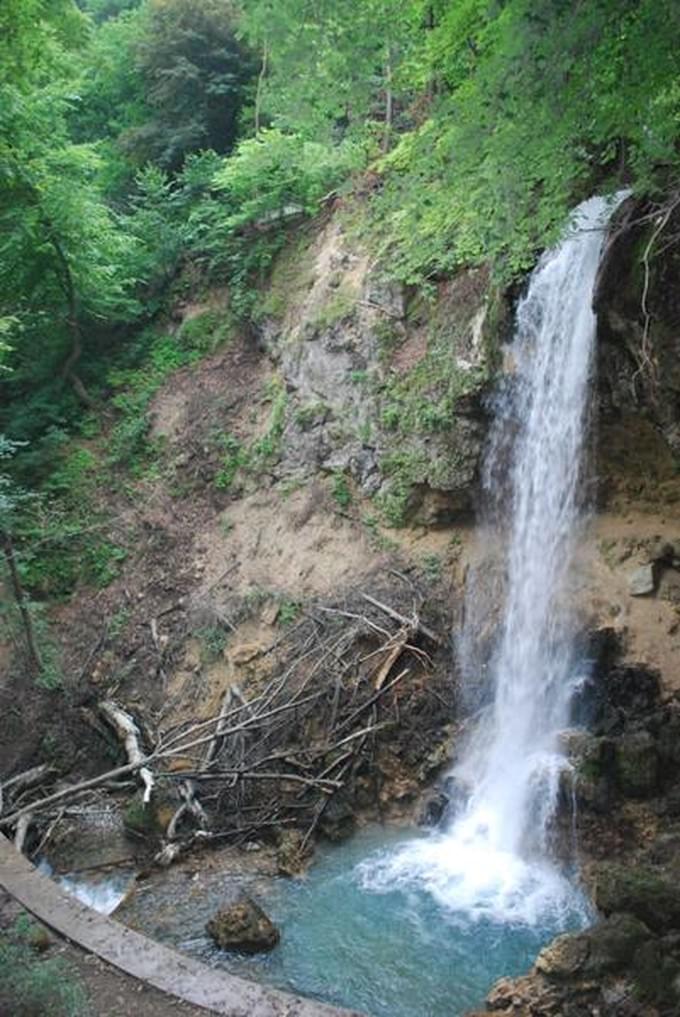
[432, 567]
[195, 75]
[276, 175]
[376, 537]
[234, 458]
[403, 468]
[118, 622]
[266, 449]
[547, 104]
[32, 984]
[207, 331]
[330, 71]
[341, 491]
[213, 640]
[289, 611]
[157, 356]
[104, 562]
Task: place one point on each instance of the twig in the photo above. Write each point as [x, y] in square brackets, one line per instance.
[401, 618]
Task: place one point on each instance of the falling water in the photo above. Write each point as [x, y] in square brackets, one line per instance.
[448, 913]
[494, 860]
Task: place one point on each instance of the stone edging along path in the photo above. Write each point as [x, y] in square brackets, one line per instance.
[143, 958]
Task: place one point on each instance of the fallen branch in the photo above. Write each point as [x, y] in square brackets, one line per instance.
[129, 734]
[22, 831]
[391, 613]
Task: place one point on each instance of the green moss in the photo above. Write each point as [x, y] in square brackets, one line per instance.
[337, 308]
[249, 458]
[207, 331]
[403, 469]
[290, 279]
[213, 640]
[289, 610]
[309, 414]
[235, 456]
[389, 337]
[266, 449]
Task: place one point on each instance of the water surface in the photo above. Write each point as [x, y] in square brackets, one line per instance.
[350, 939]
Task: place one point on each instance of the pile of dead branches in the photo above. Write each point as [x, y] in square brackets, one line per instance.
[277, 755]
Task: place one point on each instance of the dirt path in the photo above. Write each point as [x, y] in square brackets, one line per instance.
[153, 964]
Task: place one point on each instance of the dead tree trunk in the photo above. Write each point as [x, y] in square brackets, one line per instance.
[129, 734]
[21, 600]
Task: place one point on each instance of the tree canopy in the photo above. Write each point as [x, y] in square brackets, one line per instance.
[141, 138]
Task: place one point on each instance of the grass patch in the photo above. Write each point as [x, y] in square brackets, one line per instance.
[342, 494]
[336, 309]
[32, 985]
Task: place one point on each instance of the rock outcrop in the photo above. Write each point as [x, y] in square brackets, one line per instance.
[382, 386]
[241, 924]
[637, 300]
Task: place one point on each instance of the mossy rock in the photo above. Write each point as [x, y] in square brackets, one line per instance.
[613, 943]
[606, 948]
[637, 764]
[656, 972]
[640, 891]
[150, 819]
[241, 924]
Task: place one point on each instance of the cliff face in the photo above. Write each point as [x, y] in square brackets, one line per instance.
[384, 384]
[638, 304]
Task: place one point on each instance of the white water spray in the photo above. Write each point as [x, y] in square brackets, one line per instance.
[494, 860]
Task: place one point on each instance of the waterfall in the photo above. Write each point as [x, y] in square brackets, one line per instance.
[494, 860]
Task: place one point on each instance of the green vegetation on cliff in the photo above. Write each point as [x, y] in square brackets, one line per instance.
[152, 149]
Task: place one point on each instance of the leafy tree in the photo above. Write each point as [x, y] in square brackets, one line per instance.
[63, 257]
[540, 105]
[104, 10]
[195, 75]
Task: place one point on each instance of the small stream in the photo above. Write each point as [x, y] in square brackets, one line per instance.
[345, 937]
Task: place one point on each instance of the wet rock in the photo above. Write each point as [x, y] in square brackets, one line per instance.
[338, 821]
[388, 295]
[592, 779]
[656, 969]
[564, 957]
[241, 924]
[528, 996]
[433, 808]
[640, 891]
[641, 582]
[292, 854]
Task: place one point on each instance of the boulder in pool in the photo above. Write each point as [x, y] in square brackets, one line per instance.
[241, 924]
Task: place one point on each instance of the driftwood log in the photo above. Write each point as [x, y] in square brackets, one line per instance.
[130, 735]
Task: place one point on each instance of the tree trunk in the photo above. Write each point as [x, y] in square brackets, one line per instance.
[260, 86]
[66, 283]
[389, 102]
[20, 597]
